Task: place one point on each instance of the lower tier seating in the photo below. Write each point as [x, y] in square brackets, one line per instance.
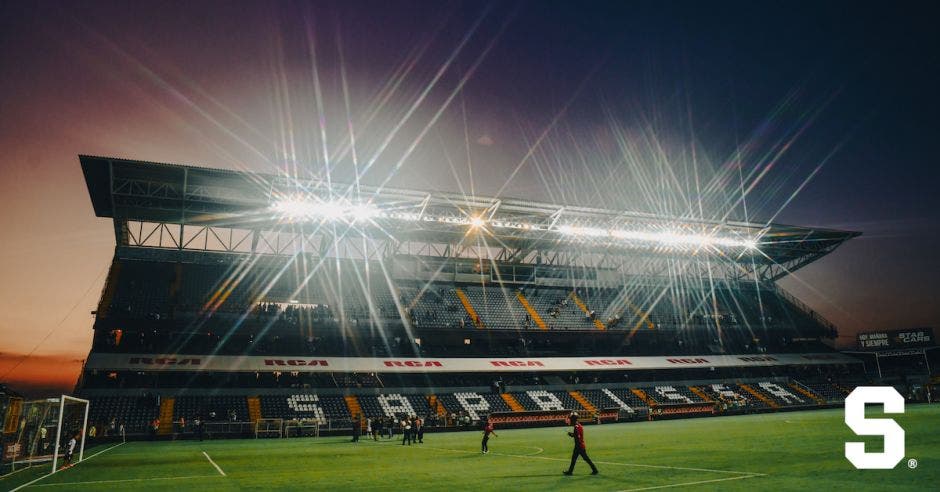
[212, 408]
[137, 412]
[305, 406]
[134, 412]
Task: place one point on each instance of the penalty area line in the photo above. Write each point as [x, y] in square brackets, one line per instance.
[214, 464]
[656, 487]
[27, 484]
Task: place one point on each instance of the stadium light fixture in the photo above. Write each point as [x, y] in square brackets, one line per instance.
[313, 209]
[666, 238]
[294, 208]
[363, 212]
[331, 211]
[316, 209]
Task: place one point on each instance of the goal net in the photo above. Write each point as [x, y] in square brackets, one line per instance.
[70, 432]
[302, 428]
[269, 427]
[40, 431]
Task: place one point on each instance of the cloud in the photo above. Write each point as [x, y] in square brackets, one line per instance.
[40, 375]
[485, 140]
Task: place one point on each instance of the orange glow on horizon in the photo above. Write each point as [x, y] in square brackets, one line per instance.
[41, 375]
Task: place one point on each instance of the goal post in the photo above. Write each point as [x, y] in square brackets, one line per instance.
[302, 427]
[73, 419]
[269, 427]
[30, 427]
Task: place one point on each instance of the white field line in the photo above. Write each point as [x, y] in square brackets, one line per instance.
[639, 465]
[655, 487]
[27, 484]
[213, 464]
[92, 482]
[540, 450]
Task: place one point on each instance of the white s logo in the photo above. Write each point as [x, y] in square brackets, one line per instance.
[893, 433]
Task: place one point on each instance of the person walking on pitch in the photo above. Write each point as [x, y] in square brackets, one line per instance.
[577, 432]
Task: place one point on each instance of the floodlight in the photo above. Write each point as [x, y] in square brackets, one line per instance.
[330, 210]
[294, 208]
[667, 238]
[363, 212]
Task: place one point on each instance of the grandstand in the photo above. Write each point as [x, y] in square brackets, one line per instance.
[234, 297]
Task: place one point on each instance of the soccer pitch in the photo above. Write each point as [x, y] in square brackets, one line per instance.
[782, 451]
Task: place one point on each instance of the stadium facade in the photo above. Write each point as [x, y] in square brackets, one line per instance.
[244, 297]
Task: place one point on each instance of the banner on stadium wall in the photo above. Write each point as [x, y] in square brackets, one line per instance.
[221, 363]
[896, 339]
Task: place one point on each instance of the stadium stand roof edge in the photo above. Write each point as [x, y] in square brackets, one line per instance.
[179, 195]
[97, 172]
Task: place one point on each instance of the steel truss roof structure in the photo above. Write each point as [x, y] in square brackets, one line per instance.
[170, 207]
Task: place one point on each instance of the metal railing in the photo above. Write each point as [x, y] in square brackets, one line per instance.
[805, 309]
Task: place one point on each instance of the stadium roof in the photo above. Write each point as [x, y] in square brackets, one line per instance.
[148, 192]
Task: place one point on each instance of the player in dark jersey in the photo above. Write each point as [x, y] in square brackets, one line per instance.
[487, 430]
[577, 432]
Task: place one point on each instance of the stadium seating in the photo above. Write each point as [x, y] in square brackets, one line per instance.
[212, 408]
[276, 308]
[557, 309]
[776, 395]
[135, 412]
[540, 400]
[496, 306]
[434, 306]
[304, 406]
[607, 398]
[393, 405]
[827, 391]
[731, 394]
[477, 404]
[672, 394]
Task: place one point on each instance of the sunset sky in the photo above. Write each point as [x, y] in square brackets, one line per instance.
[551, 101]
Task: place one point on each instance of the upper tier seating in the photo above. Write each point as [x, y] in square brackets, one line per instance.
[358, 295]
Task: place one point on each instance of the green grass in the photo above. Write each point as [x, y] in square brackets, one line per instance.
[785, 451]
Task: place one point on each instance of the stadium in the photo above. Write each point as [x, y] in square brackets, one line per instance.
[258, 331]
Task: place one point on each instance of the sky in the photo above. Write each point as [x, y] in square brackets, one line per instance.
[825, 112]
